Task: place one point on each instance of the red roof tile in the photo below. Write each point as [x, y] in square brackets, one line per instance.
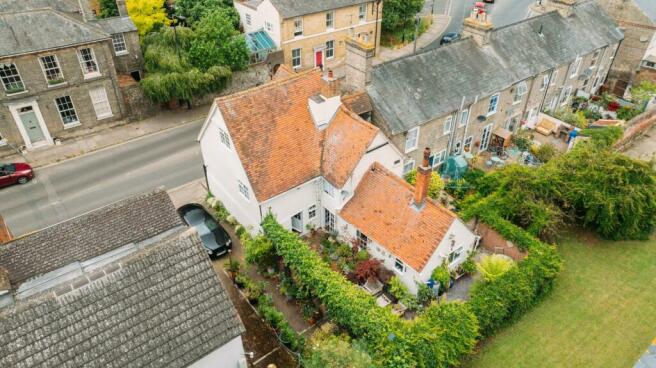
[278, 143]
[382, 209]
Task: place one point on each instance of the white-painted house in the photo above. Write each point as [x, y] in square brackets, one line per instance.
[291, 148]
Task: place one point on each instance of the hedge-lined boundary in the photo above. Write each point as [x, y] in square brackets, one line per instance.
[438, 337]
[498, 302]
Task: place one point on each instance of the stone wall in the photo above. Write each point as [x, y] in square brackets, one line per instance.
[636, 128]
[133, 60]
[137, 105]
[254, 76]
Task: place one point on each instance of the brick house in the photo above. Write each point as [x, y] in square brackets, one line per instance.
[292, 148]
[60, 71]
[312, 32]
[456, 97]
[636, 57]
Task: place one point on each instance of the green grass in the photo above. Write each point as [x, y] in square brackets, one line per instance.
[602, 312]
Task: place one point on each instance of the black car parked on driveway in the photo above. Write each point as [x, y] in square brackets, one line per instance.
[214, 237]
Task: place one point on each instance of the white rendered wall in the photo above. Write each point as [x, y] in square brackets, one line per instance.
[296, 200]
[227, 356]
[224, 170]
[265, 12]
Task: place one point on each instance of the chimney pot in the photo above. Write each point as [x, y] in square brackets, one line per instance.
[423, 180]
[330, 86]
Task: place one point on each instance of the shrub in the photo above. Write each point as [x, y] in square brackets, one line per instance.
[367, 269]
[439, 336]
[425, 294]
[522, 140]
[259, 251]
[398, 289]
[604, 137]
[434, 187]
[232, 266]
[328, 351]
[545, 152]
[627, 113]
[494, 266]
[469, 266]
[277, 321]
[441, 274]
[362, 255]
[592, 115]
[576, 119]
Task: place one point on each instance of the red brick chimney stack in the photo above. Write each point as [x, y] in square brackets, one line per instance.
[423, 179]
[330, 85]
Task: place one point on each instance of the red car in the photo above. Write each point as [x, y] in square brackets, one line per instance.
[14, 173]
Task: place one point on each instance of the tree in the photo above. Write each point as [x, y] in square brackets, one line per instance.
[493, 266]
[643, 92]
[108, 8]
[216, 42]
[398, 14]
[147, 15]
[434, 187]
[195, 10]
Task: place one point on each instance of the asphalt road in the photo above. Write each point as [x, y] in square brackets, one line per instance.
[167, 159]
[502, 12]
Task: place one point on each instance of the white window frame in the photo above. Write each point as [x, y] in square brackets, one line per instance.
[61, 117]
[545, 82]
[595, 59]
[268, 25]
[448, 125]
[225, 138]
[554, 77]
[17, 79]
[298, 27]
[120, 42]
[455, 255]
[45, 69]
[330, 49]
[412, 132]
[497, 98]
[363, 240]
[437, 159]
[243, 190]
[520, 90]
[564, 95]
[248, 19]
[330, 20]
[102, 103]
[464, 117]
[469, 143]
[312, 212]
[362, 13]
[399, 266]
[329, 220]
[298, 58]
[408, 165]
[88, 74]
[575, 70]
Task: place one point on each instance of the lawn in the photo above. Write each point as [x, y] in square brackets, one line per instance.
[602, 312]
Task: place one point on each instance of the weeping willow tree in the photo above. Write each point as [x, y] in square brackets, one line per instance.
[185, 63]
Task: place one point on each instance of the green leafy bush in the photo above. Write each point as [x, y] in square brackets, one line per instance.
[439, 336]
[469, 266]
[434, 187]
[425, 295]
[259, 251]
[546, 152]
[277, 321]
[329, 351]
[604, 137]
[576, 119]
[522, 140]
[494, 266]
[627, 113]
[442, 275]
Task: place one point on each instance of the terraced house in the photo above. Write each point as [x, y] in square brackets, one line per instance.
[59, 69]
[455, 98]
[312, 33]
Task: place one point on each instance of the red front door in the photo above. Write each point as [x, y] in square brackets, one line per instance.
[318, 58]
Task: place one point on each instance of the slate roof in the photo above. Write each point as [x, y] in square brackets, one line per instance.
[164, 307]
[278, 143]
[382, 209]
[129, 221]
[66, 6]
[416, 89]
[295, 8]
[44, 29]
[115, 25]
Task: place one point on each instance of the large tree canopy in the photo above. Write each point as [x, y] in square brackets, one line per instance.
[217, 42]
[398, 14]
[195, 10]
[147, 15]
[108, 8]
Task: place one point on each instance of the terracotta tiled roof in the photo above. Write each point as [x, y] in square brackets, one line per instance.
[278, 143]
[283, 72]
[346, 141]
[382, 209]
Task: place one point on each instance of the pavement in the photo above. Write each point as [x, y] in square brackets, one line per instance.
[94, 139]
[645, 147]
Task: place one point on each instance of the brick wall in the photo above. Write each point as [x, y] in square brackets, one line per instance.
[495, 243]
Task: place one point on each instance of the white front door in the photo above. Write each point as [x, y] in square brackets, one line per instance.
[30, 124]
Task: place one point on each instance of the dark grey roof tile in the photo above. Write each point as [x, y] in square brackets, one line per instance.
[295, 8]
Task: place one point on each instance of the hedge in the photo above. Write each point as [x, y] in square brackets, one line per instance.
[438, 337]
[496, 303]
